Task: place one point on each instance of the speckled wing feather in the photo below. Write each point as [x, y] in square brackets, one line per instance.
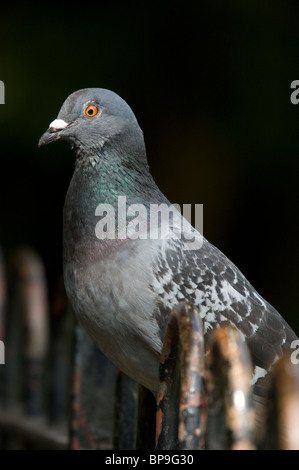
[207, 278]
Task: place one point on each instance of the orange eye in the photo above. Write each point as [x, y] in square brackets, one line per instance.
[91, 110]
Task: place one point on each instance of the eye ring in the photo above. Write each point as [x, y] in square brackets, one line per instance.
[91, 110]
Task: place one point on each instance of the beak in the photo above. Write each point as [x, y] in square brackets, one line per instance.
[54, 132]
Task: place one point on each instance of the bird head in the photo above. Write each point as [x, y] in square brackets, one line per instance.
[92, 117]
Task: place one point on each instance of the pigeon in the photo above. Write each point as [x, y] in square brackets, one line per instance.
[124, 270]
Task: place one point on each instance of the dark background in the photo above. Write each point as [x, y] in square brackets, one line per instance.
[209, 82]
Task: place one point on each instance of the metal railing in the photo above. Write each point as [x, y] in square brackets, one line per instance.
[58, 391]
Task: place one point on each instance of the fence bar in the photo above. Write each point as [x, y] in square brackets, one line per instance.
[2, 296]
[92, 406]
[22, 432]
[146, 431]
[181, 414]
[27, 330]
[231, 416]
[126, 410]
[286, 376]
[2, 319]
[281, 404]
[61, 352]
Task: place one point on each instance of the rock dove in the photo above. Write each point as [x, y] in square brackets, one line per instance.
[124, 273]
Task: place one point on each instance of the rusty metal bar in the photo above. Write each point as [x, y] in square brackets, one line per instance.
[61, 353]
[27, 330]
[20, 431]
[2, 319]
[286, 376]
[126, 411]
[2, 296]
[231, 417]
[2, 331]
[146, 431]
[23, 398]
[281, 421]
[181, 412]
[92, 400]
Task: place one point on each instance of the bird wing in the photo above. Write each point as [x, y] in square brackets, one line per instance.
[208, 279]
